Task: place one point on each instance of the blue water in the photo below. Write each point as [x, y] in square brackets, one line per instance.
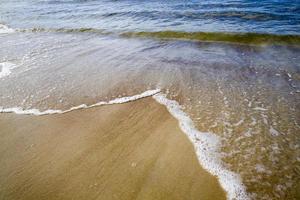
[259, 16]
[248, 95]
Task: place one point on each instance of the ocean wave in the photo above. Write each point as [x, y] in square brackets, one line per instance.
[5, 29]
[196, 15]
[239, 38]
[242, 38]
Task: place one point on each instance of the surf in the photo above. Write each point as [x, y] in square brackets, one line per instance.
[206, 145]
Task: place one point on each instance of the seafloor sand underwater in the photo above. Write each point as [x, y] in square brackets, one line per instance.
[236, 106]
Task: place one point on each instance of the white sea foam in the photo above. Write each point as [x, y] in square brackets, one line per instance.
[207, 149]
[5, 29]
[206, 144]
[19, 110]
[6, 68]
[260, 109]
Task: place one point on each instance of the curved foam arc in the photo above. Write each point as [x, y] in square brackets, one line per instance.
[19, 110]
[206, 144]
[5, 29]
[207, 148]
[6, 68]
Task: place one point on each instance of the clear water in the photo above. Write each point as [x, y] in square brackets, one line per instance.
[265, 16]
[249, 95]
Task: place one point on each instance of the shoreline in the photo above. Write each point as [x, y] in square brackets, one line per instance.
[206, 145]
[131, 150]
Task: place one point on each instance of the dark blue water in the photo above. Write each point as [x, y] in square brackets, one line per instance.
[259, 16]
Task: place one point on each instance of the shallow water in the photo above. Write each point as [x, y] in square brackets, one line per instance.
[248, 95]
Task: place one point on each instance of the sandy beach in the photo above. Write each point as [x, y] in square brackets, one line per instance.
[134, 150]
[149, 100]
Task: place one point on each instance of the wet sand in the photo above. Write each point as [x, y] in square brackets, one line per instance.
[134, 150]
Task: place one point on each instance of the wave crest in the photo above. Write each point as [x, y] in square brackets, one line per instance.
[242, 38]
[5, 29]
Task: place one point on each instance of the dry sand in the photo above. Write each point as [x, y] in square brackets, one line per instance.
[130, 151]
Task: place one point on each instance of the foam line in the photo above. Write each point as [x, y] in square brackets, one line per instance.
[260, 109]
[19, 110]
[5, 29]
[207, 149]
[206, 144]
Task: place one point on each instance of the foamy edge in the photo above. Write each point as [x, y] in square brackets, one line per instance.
[21, 111]
[207, 149]
[5, 29]
[206, 144]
